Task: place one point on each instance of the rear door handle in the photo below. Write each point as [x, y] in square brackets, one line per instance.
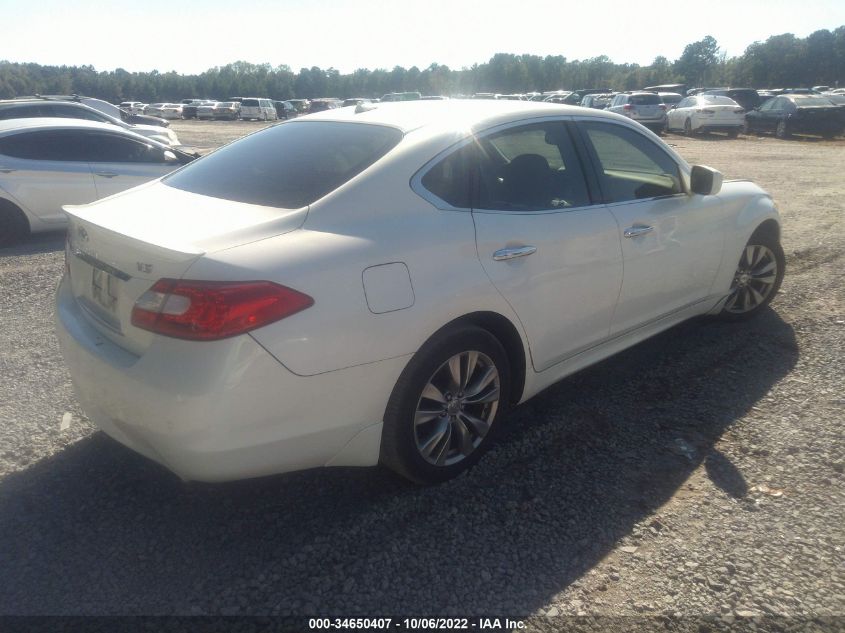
[635, 231]
[504, 254]
[106, 174]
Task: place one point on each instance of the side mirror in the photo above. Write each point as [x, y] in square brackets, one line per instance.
[705, 181]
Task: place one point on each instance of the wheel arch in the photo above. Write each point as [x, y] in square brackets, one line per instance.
[11, 207]
[768, 228]
[508, 335]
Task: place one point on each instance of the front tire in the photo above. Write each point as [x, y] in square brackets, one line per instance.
[757, 279]
[446, 405]
[782, 130]
[688, 127]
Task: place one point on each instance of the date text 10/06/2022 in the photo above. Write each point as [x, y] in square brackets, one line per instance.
[415, 624]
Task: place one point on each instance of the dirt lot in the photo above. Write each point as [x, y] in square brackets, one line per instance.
[699, 473]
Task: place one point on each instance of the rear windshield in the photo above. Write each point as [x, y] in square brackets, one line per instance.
[644, 100]
[806, 102]
[289, 165]
[250, 103]
[718, 100]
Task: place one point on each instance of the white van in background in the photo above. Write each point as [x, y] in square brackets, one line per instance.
[261, 109]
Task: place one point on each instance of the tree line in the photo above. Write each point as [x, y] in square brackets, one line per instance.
[781, 61]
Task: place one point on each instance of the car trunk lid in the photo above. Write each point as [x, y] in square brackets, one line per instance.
[119, 247]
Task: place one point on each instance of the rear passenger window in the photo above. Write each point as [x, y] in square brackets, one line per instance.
[530, 168]
[59, 145]
[23, 112]
[631, 166]
[450, 180]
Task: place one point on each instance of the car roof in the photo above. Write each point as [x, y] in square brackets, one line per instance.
[451, 115]
[56, 123]
[59, 102]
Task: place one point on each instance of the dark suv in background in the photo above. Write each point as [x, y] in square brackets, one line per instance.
[746, 97]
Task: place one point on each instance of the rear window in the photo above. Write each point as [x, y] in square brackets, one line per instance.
[644, 100]
[250, 103]
[287, 166]
[806, 102]
[717, 100]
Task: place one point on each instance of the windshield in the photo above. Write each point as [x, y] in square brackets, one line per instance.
[288, 166]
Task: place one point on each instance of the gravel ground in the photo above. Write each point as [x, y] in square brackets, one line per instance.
[697, 474]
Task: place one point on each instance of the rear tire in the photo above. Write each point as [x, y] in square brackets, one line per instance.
[782, 130]
[14, 227]
[446, 406]
[733, 134]
[688, 128]
[757, 279]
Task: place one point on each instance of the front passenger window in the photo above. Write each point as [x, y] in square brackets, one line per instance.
[108, 148]
[630, 166]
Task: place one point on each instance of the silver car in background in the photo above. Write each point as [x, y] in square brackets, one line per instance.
[645, 108]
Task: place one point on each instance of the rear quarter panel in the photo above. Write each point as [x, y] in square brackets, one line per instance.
[374, 219]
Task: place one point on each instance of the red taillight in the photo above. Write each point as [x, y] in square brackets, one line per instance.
[663, 107]
[211, 310]
[627, 106]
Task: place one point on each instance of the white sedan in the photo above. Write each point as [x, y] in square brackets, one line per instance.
[48, 162]
[171, 111]
[706, 113]
[382, 283]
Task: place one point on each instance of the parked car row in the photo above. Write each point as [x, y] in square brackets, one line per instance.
[39, 108]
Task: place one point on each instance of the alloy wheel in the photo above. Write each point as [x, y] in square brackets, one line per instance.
[456, 408]
[754, 279]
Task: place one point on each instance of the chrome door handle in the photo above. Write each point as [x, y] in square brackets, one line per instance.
[106, 174]
[504, 254]
[635, 231]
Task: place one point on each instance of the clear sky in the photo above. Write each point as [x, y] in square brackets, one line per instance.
[190, 36]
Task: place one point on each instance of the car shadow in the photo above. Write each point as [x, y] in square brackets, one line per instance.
[97, 529]
[35, 244]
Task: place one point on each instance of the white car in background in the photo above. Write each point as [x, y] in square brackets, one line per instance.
[206, 110]
[259, 109]
[707, 113]
[132, 107]
[154, 109]
[46, 163]
[171, 111]
[382, 284]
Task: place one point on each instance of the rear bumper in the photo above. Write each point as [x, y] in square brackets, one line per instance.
[222, 410]
[719, 127]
